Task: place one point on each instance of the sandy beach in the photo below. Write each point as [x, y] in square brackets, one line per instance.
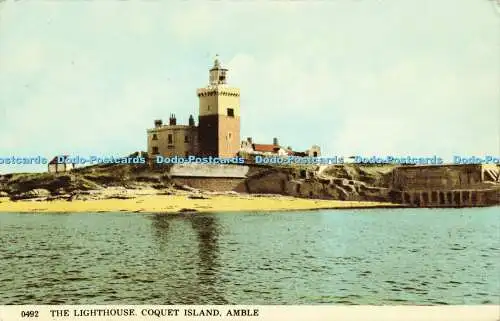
[179, 203]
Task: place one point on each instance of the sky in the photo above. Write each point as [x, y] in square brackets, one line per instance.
[356, 77]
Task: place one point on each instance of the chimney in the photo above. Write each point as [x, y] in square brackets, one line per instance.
[191, 120]
[158, 123]
[275, 141]
[249, 140]
[172, 120]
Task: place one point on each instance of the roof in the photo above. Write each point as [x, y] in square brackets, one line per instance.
[171, 127]
[265, 148]
[54, 160]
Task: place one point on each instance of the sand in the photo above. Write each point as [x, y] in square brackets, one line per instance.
[176, 203]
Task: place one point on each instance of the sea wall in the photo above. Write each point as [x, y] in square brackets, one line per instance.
[417, 186]
[209, 170]
[449, 198]
[211, 177]
[298, 182]
[437, 177]
[446, 186]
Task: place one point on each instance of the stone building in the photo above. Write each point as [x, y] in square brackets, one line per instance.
[59, 164]
[314, 151]
[248, 147]
[219, 120]
[218, 130]
[172, 139]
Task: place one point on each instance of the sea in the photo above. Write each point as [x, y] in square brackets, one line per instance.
[368, 256]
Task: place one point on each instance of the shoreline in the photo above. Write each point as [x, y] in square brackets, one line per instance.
[175, 204]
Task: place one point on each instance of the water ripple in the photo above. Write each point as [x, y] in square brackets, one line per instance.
[405, 256]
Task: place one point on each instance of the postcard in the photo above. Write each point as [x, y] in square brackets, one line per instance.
[245, 159]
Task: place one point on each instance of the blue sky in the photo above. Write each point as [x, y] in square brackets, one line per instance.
[355, 77]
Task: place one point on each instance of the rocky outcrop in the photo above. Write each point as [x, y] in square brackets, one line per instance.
[340, 182]
[37, 193]
[343, 182]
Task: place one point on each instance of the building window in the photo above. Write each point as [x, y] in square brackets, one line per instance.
[230, 112]
[186, 139]
[155, 137]
[170, 139]
[155, 150]
[229, 136]
[208, 107]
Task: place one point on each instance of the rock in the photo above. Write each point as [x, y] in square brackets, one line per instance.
[58, 197]
[167, 192]
[39, 192]
[340, 181]
[198, 197]
[148, 179]
[34, 193]
[79, 197]
[343, 195]
[59, 191]
[4, 194]
[324, 180]
[350, 188]
[187, 210]
[186, 188]
[120, 196]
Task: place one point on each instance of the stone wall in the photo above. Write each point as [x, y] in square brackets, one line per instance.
[445, 186]
[436, 177]
[420, 186]
[450, 198]
[209, 170]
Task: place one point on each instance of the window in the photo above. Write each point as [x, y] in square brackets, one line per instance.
[230, 112]
[229, 136]
[155, 137]
[170, 139]
[155, 150]
[186, 139]
[208, 107]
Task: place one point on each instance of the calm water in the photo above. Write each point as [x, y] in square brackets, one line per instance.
[403, 256]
